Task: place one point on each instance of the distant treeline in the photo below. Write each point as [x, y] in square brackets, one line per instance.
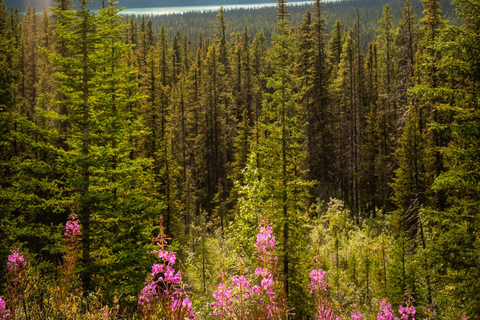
[263, 19]
[97, 4]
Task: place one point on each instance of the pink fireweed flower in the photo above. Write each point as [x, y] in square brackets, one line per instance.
[4, 312]
[72, 228]
[184, 304]
[267, 282]
[170, 275]
[406, 312]
[168, 256]
[223, 294]
[223, 303]
[261, 272]
[356, 316]
[149, 292]
[167, 290]
[156, 269]
[317, 283]
[325, 314]
[386, 312]
[265, 239]
[240, 281]
[15, 260]
[105, 314]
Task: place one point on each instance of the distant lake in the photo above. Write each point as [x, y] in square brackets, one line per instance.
[179, 10]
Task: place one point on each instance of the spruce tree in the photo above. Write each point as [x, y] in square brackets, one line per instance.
[107, 186]
[285, 191]
[407, 43]
[451, 228]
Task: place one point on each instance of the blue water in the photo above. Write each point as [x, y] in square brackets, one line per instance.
[179, 10]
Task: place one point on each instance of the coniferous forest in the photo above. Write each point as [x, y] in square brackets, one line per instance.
[324, 166]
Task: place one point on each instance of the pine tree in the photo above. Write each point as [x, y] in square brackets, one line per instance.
[7, 128]
[370, 137]
[281, 156]
[259, 70]
[321, 151]
[407, 42]
[387, 113]
[335, 44]
[346, 91]
[282, 10]
[450, 228]
[106, 184]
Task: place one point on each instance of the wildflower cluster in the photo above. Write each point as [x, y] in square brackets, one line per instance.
[4, 312]
[317, 283]
[15, 280]
[356, 315]
[243, 301]
[406, 312]
[164, 292]
[223, 303]
[324, 309]
[265, 248]
[72, 228]
[71, 252]
[16, 262]
[386, 312]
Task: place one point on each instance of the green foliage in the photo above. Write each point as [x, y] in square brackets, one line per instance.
[357, 260]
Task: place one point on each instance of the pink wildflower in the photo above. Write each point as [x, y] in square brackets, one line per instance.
[407, 312]
[148, 292]
[356, 316]
[184, 304]
[256, 289]
[168, 256]
[265, 239]
[317, 283]
[72, 228]
[386, 312]
[324, 313]
[167, 290]
[4, 312]
[267, 282]
[156, 269]
[105, 314]
[15, 260]
[240, 282]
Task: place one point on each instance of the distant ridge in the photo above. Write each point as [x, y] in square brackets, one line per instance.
[39, 4]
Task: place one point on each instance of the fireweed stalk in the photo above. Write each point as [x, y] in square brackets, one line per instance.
[164, 293]
[385, 310]
[233, 302]
[267, 303]
[15, 280]
[240, 300]
[71, 252]
[406, 312]
[223, 306]
[324, 309]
